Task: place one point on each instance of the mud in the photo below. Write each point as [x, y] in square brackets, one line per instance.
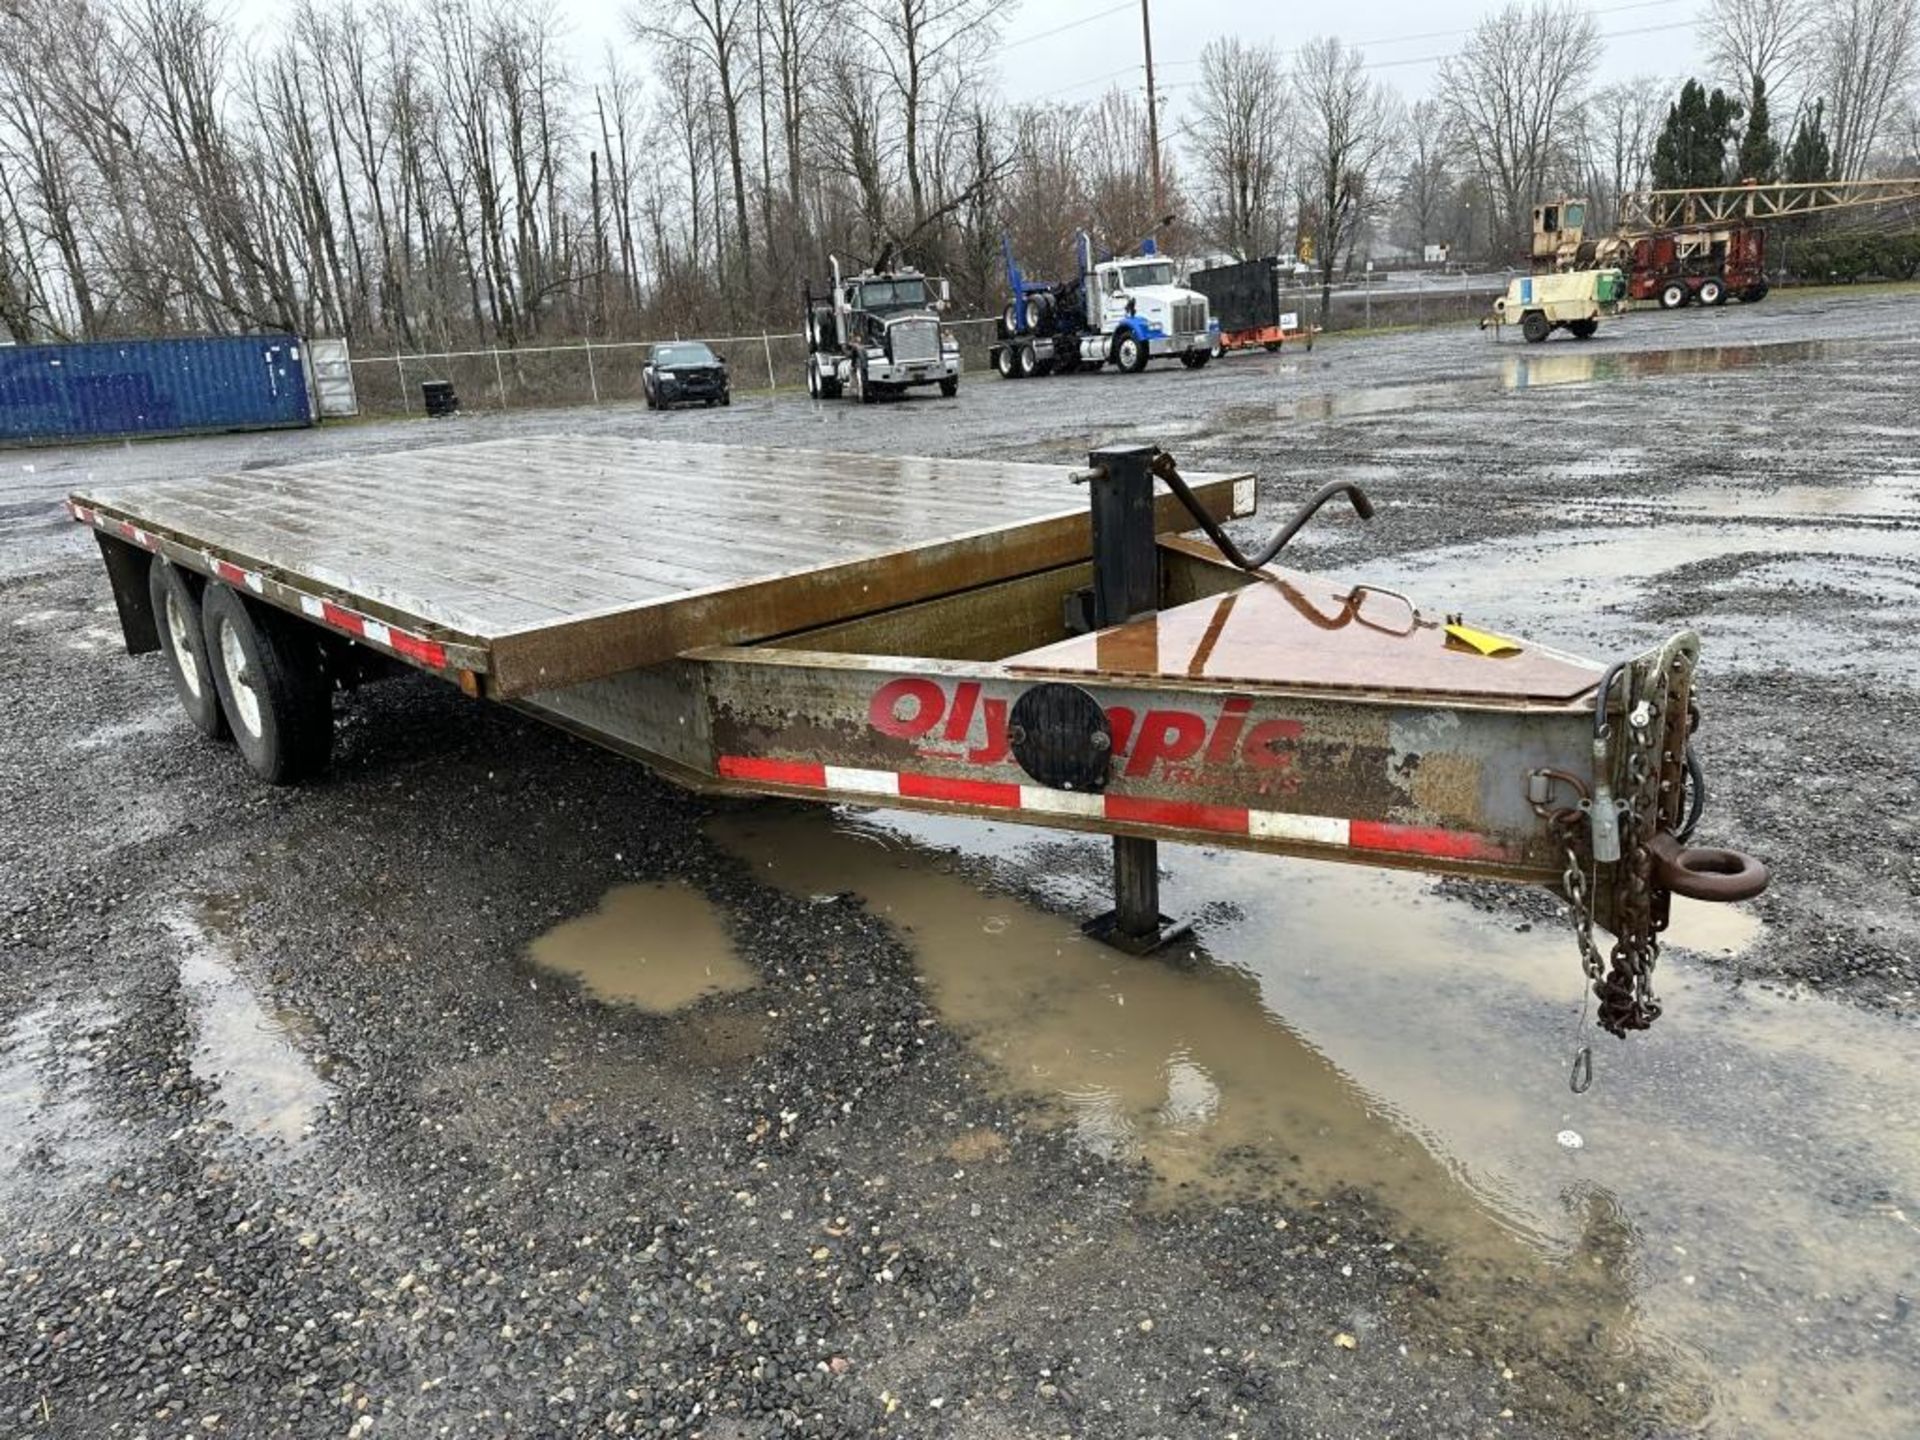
[297, 1139]
[657, 947]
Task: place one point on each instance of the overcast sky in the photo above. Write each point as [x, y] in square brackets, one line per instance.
[1075, 49]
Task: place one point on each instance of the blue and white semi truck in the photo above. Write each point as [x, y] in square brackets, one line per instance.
[1122, 311]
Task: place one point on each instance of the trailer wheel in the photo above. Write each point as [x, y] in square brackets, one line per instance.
[1754, 294]
[1130, 353]
[183, 641]
[1713, 291]
[1027, 361]
[1039, 312]
[1535, 326]
[273, 687]
[1003, 362]
[1272, 347]
[1673, 295]
[1009, 322]
[1583, 329]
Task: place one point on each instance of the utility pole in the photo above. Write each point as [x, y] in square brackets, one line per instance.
[1153, 114]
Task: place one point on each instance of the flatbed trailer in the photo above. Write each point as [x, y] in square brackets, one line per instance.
[1022, 641]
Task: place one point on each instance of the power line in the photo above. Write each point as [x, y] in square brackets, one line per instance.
[1070, 25]
[1291, 50]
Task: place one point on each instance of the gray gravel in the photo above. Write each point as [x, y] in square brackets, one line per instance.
[801, 1209]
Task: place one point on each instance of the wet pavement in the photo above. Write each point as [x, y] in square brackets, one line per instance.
[491, 1087]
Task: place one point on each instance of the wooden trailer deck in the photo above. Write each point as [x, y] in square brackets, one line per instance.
[540, 562]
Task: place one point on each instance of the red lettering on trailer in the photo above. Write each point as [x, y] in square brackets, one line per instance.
[1168, 735]
[960, 720]
[1174, 744]
[1264, 741]
[996, 748]
[929, 702]
[1226, 733]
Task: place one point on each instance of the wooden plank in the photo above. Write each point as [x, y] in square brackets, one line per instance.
[572, 558]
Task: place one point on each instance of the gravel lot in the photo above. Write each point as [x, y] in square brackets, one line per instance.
[294, 1140]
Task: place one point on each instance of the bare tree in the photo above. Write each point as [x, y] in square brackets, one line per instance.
[1239, 137]
[1865, 56]
[1621, 123]
[716, 33]
[1427, 185]
[1764, 40]
[916, 43]
[1347, 134]
[1513, 98]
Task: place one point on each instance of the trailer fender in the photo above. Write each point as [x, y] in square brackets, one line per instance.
[127, 573]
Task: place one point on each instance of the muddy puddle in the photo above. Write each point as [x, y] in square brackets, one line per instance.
[1546, 366]
[658, 947]
[251, 1057]
[1738, 1222]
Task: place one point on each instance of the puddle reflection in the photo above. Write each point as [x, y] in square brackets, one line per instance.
[1735, 1232]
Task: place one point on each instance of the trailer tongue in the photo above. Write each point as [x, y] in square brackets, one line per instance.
[937, 635]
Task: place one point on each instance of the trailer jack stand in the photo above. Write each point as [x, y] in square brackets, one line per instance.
[1126, 584]
[1135, 923]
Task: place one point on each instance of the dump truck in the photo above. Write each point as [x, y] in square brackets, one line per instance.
[1573, 301]
[879, 333]
[1249, 310]
[1123, 311]
[1083, 648]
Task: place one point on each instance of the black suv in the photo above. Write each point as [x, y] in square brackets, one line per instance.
[682, 372]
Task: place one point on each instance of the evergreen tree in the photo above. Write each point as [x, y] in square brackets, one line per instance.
[1810, 156]
[1759, 153]
[1692, 148]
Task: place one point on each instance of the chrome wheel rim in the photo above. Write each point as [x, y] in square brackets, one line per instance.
[239, 681]
[178, 635]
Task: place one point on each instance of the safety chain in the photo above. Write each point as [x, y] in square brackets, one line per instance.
[1627, 1001]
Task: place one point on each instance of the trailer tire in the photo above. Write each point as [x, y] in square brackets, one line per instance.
[1130, 352]
[273, 686]
[1009, 322]
[950, 387]
[1713, 291]
[1003, 362]
[1754, 294]
[1535, 326]
[1272, 347]
[1674, 294]
[1039, 314]
[183, 641]
[1583, 329]
[1027, 361]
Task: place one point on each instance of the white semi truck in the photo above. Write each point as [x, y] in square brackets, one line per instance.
[879, 333]
[1124, 311]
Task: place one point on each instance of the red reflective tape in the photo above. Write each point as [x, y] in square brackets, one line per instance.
[425, 652]
[232, 574]
[342, 619]
[997, 793]
[773, 772]
[126, 530]
[1180, 814]
[1426, 840]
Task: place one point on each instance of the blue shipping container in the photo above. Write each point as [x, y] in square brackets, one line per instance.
[111, 388]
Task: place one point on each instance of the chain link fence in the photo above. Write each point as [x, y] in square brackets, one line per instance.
[594, 372]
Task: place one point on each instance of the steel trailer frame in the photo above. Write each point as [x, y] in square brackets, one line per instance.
[1098, 673]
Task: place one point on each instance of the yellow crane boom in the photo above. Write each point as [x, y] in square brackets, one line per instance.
[1652, 210]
